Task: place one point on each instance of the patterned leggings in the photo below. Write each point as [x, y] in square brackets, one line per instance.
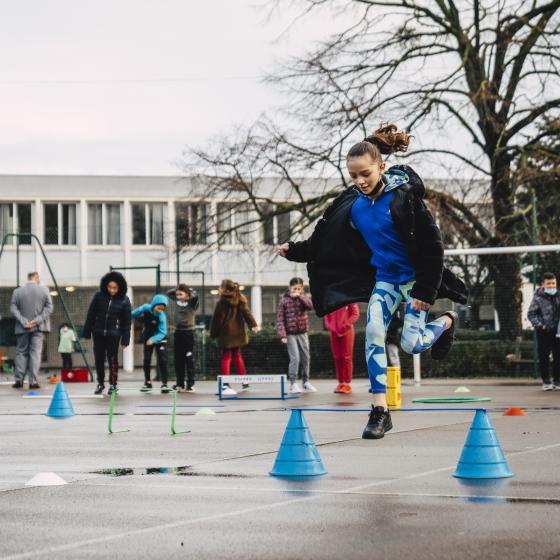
[417, 336]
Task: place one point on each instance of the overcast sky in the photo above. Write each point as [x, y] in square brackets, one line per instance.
[83, 85]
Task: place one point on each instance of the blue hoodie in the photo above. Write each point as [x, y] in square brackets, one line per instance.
[155, 324]
[374, 221]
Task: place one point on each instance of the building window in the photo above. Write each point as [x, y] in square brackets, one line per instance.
[60, 224]
[147, 223]
[275, 229]
[15, 217]
[104, 224]
[191, 220]
[234, 225]
[113, 224]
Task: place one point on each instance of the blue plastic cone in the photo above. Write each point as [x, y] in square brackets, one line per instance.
[61, 405]
[298, 456]
[482, 455]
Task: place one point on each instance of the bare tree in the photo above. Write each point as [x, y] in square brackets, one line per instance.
[484, 70]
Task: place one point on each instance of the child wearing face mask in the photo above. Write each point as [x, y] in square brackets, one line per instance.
[544, 315]
[379, 243]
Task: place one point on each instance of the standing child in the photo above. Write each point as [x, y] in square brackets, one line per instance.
[186, 304]
[66, 345]
[544, 315]
[154, 337]
[231, 315]
[108, 319]
[340, 324]
[292, 325]
[378, 240]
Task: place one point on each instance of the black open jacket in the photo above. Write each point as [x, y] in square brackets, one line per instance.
[110, 316]
[338, 258]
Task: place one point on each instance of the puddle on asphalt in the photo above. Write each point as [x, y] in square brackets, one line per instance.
[484, 490]
[176, 471]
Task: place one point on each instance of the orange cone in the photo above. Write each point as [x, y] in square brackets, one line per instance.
[514, 411]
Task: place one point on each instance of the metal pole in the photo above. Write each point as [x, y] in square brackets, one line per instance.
[534, 264]
[505, 250]
[158, 278]
[177, 250]
[417, 369]
[17, 259]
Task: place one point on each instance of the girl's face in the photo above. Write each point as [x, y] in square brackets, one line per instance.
[365, 172]
[296, 289]
[182, 296]
[112, 288]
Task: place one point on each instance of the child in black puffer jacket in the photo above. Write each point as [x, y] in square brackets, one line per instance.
[108, 320]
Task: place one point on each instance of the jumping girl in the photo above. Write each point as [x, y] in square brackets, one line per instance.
[378, 242]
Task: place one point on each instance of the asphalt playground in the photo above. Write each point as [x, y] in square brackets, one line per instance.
[207, 494]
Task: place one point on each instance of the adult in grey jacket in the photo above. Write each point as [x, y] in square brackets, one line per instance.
[31, 306]
[544, 314]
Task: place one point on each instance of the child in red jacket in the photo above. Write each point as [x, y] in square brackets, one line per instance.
[340, 324]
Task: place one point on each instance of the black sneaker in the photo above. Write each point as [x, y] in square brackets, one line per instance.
[112, 389]
[146, 387]
[99, 390]
[18, 385]
[443, 344]
[34, 386]
[165, 389]
[379, 422]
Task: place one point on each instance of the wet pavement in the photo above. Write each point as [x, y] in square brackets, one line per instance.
[207, 493]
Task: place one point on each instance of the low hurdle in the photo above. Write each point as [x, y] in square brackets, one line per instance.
[482, 456]
[250, 380]
[112, 399]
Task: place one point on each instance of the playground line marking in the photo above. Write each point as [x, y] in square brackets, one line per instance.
[236, 513]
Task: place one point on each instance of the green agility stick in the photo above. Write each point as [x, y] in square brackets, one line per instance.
[451, 400]
[111, 408]
[173, 431]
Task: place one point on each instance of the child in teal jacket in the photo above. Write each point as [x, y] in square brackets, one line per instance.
[154, 336]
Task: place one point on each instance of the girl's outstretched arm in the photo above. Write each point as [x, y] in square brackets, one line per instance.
[295, 251]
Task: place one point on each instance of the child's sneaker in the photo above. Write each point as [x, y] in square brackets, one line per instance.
[245, 386]
[308, 388]
[339, 388]
[190, 390]
[99, 390]
[346, 389]
[557, 385]
[379, 422]
[294, 388]
[179, 389]
[227, 390]
[547, 386]
[442, 346]
[165, 388]
[112, 389]
[146, 387]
